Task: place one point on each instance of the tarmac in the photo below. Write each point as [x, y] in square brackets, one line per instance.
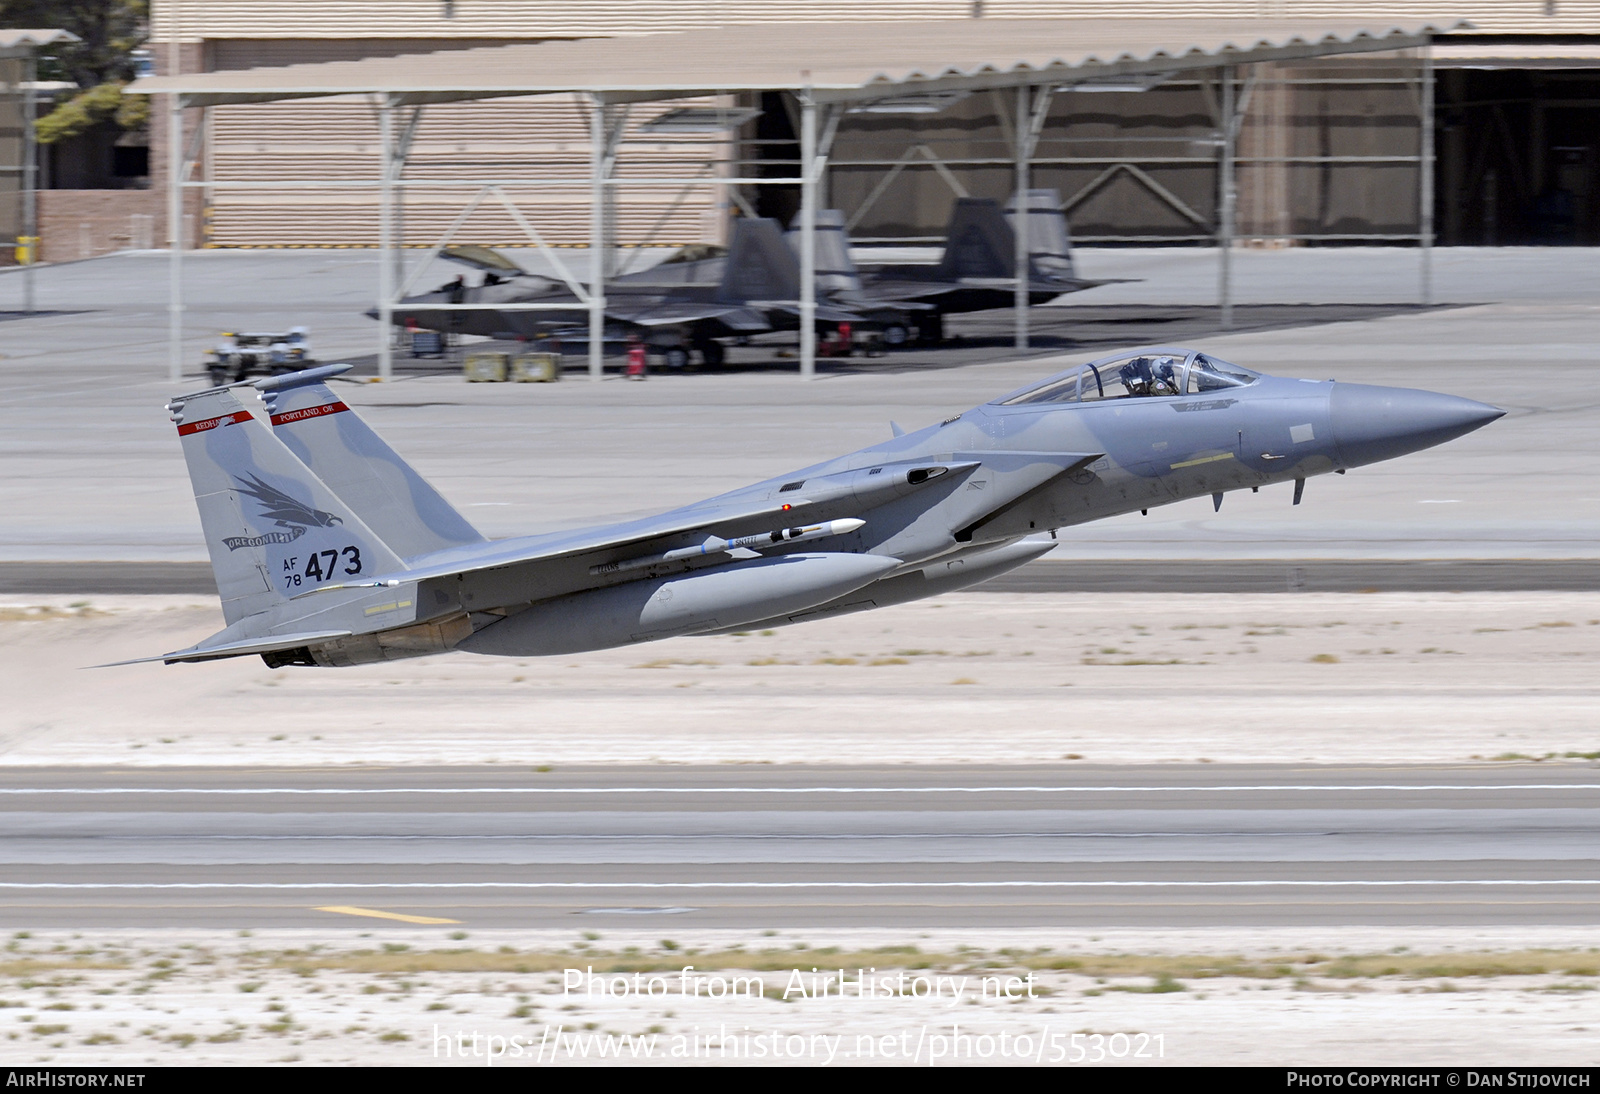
[805, 847]
[96, 475]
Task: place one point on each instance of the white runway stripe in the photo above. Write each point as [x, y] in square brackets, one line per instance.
[1296, 788]
[338, 885]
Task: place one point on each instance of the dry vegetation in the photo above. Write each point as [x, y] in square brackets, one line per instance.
[75, 1000]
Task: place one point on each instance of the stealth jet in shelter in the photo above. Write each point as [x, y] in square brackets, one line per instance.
[703, 292]
[330, 550]
[696, 296]
[975, 272]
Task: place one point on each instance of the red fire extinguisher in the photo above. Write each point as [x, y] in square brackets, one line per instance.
[636, 359]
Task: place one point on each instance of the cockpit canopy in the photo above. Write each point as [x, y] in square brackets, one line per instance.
[1141, 374]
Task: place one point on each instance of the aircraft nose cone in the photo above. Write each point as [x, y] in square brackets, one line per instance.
[1373, 423]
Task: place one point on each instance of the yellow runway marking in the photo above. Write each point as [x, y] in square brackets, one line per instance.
[374, 913]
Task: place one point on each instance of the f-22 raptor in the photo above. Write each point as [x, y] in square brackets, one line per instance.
[699, 294]
[330, 550]
[975, 272]
[703, 292]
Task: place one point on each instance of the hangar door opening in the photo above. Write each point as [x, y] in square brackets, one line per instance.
[1518, 155]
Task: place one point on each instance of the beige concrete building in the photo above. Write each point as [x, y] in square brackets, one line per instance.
[1327, 150]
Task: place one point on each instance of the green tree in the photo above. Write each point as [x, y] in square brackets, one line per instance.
[101, 62]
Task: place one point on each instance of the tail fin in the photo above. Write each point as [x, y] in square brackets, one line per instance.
[760, 265]
[978, 242]
[358, 466]
[1049, 241]
[273, 528]
[836, 270]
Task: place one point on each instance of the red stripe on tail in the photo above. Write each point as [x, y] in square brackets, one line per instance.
[213, 423]
[308, 412]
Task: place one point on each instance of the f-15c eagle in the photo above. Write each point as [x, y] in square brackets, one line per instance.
[330, 550]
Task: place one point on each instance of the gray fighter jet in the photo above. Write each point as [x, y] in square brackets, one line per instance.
[696, 296]
[704, 292]
[976, 271]
[330, 550]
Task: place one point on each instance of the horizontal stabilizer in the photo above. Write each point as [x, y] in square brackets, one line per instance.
[242, 648]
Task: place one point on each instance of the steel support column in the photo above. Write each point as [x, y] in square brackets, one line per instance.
[597, 237]
[30, 174]
[175, 239]
[808, 235]
[401, 158]
[1425, 176]
[1029, 125]
[1226, 195]
[1019, 224]
[386, 270]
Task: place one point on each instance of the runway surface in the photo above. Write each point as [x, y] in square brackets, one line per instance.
[809, 847]
[1047, 576]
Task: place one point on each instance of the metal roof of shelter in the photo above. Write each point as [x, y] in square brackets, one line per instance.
[837, 61]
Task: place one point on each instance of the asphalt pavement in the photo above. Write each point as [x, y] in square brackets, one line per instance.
[799, 847]
[96, 474]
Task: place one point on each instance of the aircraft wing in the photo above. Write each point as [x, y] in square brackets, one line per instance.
[898, 291]
[1078, 284]
[634, 537]
[670, 312]
[827, 313]
[556, 554]
[893, 291]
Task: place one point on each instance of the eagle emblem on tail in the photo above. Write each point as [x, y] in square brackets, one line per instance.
[283, 509]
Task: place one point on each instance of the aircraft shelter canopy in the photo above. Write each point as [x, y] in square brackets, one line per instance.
[837, 61]
[828, 67]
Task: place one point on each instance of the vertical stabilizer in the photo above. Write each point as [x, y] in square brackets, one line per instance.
[978, 242]
[1049, 241]
[836, 270]
[357, 465]
[273, 528]
[760, 265]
